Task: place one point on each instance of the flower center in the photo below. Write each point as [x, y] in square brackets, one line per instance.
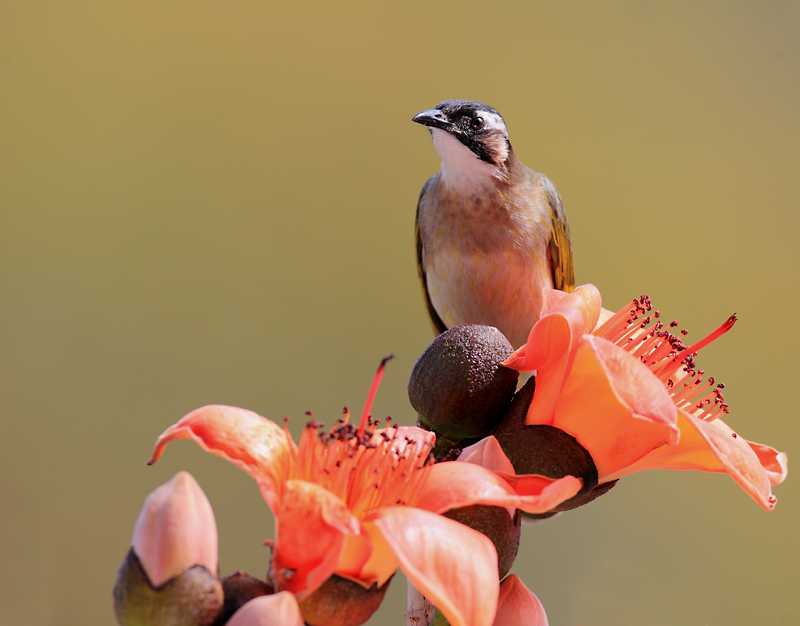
[365, 467]
[638, 330]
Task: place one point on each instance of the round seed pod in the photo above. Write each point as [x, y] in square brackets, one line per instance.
[497, 525]
[342, 602]
[239, 588]
[458, 387]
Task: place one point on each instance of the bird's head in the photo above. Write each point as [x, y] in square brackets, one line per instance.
[470, 137]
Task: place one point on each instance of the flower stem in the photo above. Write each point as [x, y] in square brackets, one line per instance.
[420, 610]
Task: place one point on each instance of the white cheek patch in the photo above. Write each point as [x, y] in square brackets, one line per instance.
[494, 122]
[460, 166]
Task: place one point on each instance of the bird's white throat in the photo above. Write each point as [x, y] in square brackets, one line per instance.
[461, 167]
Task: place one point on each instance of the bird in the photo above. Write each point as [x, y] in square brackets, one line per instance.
[491, 234]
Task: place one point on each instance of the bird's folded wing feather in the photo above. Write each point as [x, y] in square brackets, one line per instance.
[438, 325]
[559, 246]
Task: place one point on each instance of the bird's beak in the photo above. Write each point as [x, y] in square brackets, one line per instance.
[433, 118]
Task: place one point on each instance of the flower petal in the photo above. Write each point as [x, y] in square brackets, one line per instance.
[356, 552]
[775, 463]
[487, 453]
[517, 605]
[452, 485]
[279, 609]
[382, 563]
[454, 566]
[551, 346]
[311, 528]
[614, 406]
[714, 447]
[257, 445]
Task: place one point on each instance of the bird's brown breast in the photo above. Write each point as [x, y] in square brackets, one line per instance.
[484, 253]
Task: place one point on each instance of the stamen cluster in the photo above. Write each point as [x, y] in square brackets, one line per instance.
[639, 331]
[365, 467]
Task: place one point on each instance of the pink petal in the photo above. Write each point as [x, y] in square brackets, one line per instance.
[773, 462]
[257, 445]
[487, 453]
[454, 566]
[714, 447]
[614, 406]
[279, 609]
[551, 346]
[518, 605]
[454, 485]
[175, 530]
[310, 532]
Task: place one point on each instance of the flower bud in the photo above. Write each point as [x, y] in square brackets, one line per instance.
[518, 606]
[278, 609]
[342, 602]
[548, 451]
[170, 573]
[175, 530]
[458, 387]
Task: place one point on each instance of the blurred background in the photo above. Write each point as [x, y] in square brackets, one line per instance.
[213, 202]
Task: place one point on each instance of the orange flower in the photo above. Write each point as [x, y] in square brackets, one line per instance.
[628, 390]
[359, 502]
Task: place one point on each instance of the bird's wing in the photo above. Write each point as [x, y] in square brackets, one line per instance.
[438, 325]
[559, 246]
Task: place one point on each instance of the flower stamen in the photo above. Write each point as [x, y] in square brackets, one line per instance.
[665, 354]
[364, 467]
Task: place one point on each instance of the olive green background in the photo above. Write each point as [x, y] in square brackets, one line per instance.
[213, 202]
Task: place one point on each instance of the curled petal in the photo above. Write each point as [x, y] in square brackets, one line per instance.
[614, 406]
[714, 447]
[454, 566]
[773, 462]
[518, 605]
[487, 453]
[552, 344]
[311, 529]
[453, 485]
[279, 609]
[257, 445]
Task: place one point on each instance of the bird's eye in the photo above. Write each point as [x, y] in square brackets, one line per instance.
[477, 123]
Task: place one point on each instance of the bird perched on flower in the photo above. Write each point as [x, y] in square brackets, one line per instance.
[491, 233]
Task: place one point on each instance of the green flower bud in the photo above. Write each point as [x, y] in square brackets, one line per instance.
[169, 577]
[193, 598]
